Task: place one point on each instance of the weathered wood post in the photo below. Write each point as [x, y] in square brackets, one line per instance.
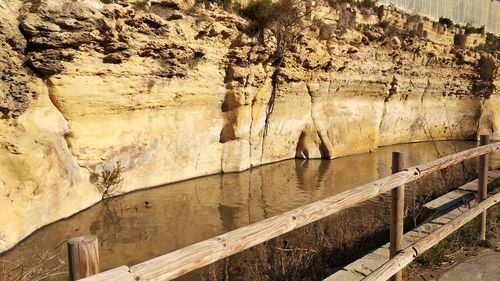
[397, 213]
[482, 188]
[83, 257]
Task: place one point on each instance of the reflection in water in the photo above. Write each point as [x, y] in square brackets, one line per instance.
[131, 231]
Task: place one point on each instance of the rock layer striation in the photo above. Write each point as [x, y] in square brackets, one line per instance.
[171, 91]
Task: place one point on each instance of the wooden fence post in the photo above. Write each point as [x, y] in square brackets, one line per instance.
[482, 189]
[397, 214]
[83, 257]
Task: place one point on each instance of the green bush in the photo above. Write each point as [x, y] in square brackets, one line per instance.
[365, 3]
[492, 44]
[282, 18]
[446, 21]
[469, 29]
[384, 24]
[261, 13]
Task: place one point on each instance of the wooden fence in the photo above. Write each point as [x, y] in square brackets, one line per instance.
[182, 261]
[403, 258]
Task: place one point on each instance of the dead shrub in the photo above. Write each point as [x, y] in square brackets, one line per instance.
[347, 19]
[426, 189]
[107, 180]
[326, 31]
[414, 27]
[487, 67]
[43, 264]
[460, 40]
[367, 12]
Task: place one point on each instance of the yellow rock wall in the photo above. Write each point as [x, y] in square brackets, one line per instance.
[40, 180]
[176, 95]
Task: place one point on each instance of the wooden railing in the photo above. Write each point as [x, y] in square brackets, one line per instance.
[403, 258]
[182, 261]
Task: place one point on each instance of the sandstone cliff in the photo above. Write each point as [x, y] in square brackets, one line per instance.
[171, 90]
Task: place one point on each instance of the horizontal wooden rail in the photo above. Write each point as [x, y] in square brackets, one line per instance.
[195, 256]
[402, 259]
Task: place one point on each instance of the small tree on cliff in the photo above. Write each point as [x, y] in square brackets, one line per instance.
[278, 24]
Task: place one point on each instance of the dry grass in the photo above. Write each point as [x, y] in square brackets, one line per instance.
[36, 264]
[308, 253]
[463, 242]
[317, 250]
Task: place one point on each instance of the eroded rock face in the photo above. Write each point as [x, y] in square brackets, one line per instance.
[177, 91]
[15, 90]
[40, 180]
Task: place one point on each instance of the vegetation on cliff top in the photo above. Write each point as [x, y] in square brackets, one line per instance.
[492, 44]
